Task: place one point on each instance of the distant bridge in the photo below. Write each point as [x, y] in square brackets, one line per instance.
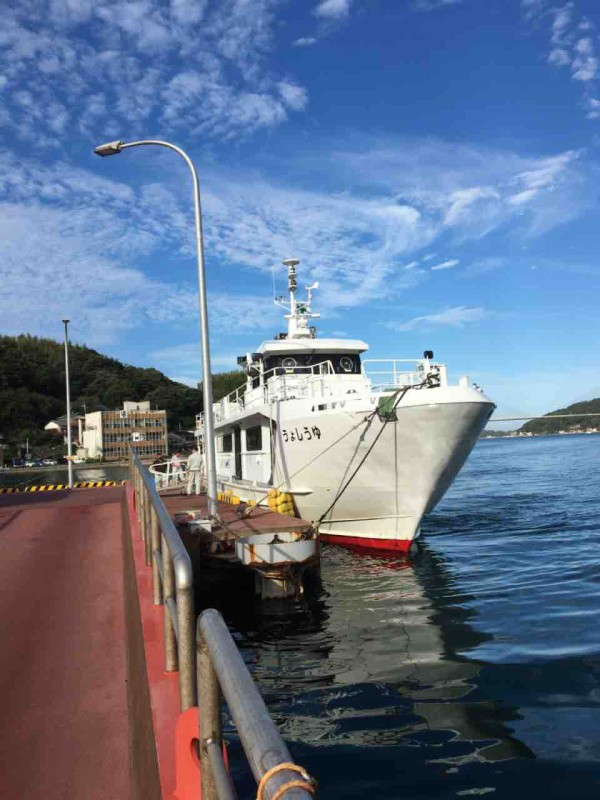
[542, 416]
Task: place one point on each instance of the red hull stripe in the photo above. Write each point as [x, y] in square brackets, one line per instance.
[391, 545]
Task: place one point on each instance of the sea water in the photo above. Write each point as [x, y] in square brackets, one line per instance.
[473, 669]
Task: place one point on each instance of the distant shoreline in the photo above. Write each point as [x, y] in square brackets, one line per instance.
[518, 435]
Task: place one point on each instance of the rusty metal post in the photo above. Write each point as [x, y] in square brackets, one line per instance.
[156, 540]
[209, 708]
[169, 594]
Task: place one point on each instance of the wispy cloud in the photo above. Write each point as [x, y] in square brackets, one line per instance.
[333, 9]
[183, 362]
[572, 44]
[305, 41]
[432, 5]
[453, 262]
[98, 242]
[193, 65]
[455, 317]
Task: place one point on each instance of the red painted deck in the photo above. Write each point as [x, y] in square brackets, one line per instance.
[64, 731]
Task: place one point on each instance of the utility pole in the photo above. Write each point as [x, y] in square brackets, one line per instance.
[69, 442]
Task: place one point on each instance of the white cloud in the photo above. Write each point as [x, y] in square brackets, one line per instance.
[585, 63]
[295, 97]
[453, 262]
[198, 65]
[305, 41]
[455, 317]
[463, 200]
[333, 9]
[183, 362]
[432, 5]
[100, 243]
[568, 48]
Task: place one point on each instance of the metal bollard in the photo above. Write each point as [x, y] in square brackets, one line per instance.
[169, 593]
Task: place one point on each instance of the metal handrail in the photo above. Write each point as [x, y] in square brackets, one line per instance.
[221, 672]
[172, 578]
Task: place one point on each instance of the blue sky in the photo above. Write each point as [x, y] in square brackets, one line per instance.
[433, 163]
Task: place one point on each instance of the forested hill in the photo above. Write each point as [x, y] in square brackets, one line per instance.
[547, 425]
[32, 386]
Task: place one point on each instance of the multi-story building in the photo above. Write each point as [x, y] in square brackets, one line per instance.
[108, 434]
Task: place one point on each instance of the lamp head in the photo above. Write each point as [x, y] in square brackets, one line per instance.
[109, 149]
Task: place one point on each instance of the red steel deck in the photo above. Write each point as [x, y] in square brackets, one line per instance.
[65, 729]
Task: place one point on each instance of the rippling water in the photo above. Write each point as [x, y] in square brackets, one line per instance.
[473, 670]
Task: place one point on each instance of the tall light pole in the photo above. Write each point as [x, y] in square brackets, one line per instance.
[69, 442]
[111, 149]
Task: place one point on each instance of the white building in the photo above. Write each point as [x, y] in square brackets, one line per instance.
[108, 434]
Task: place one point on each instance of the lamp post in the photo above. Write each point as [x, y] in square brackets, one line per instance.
[111, 149]
[69, 442]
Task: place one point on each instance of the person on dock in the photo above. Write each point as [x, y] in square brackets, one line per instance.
[176, 467]
[160, 469]
[195, 467]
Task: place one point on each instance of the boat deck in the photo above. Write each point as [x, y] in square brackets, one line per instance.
[65, 721]
[261, 520]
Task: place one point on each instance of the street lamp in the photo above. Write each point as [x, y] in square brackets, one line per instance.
[111, 149]
[69, 442]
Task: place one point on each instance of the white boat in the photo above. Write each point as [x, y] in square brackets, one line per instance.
[365, 447]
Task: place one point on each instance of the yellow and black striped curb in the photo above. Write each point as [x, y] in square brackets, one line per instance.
[55, 486]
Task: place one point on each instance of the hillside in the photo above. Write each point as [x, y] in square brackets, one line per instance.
[32, 387]
[546, 425]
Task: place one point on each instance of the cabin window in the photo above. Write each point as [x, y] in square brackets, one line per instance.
[254, 438]
[301, 364]
[225, 443]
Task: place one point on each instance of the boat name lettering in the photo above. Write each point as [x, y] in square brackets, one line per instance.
[296, 435]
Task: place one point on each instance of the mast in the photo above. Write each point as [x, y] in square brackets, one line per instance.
[300, 312]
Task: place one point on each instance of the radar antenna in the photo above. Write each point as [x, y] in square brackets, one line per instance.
[300, 312]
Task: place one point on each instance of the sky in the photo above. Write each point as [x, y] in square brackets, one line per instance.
[434, 164]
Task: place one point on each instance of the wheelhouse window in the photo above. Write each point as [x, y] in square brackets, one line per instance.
[225, 443]
[301, 364]
[254, 438]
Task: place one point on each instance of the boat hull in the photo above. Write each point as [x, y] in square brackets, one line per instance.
[409, 463]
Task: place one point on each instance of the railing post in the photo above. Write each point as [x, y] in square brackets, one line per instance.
[186, 650]
[148, 527]
[258, 734]
[209, 707]
[141, 511]
[169, 592]
[156, 541]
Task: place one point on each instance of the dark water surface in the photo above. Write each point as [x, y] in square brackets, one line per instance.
[475, 670]
[48, 476]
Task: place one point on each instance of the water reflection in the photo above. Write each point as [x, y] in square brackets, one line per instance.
[372, 661]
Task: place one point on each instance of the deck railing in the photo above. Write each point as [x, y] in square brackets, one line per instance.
[392, 373]
[172, 578]
[210, 665]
